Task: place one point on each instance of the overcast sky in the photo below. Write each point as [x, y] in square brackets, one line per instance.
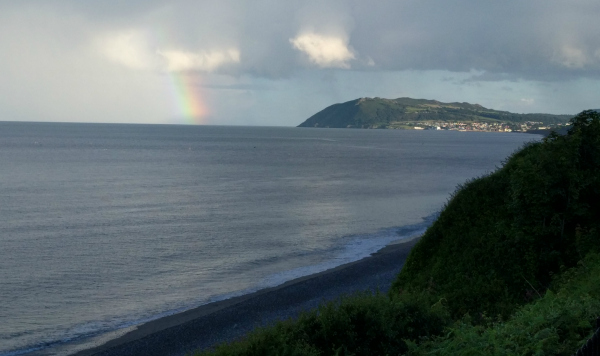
[275, 62]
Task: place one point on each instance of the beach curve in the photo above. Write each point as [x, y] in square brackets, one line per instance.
[227, 320]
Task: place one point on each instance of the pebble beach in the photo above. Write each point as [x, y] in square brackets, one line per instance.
[225, 321]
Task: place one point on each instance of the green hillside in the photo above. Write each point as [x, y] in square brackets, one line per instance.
[510, 267]
[501, 237]
[406, 113]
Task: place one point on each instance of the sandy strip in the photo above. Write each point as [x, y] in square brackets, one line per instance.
[227, 320]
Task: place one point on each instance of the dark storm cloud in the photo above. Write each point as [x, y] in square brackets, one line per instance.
[535, 39]
[531, 39]
[540, 39]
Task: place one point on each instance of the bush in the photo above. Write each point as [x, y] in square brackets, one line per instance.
[500, 237]
[363, 324]
[557, 324]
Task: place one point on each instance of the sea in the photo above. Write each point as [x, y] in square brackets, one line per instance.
[104, 227]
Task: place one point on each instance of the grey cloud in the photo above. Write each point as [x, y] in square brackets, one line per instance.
[536, 39]
[238, 87]
[528, 39]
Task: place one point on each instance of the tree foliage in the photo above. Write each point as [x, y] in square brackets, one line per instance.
[500, 237]
[557, 324]
[363, 324]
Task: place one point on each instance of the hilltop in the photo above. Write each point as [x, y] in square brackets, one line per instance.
[408, 113]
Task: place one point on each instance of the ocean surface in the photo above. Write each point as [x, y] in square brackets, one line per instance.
[104, 227]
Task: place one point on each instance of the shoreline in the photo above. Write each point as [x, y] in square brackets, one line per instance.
[205, 326]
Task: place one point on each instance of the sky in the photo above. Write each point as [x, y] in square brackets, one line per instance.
[275, 62]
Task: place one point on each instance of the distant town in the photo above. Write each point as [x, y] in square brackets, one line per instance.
[479, 126]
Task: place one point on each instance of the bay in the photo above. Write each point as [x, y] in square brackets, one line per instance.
[105, 226]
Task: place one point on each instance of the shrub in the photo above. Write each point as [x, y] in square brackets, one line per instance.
[500, 237]
[557, 324]
[362, 324]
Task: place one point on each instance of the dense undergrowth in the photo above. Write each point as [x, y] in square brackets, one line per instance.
[363, 324]
[555, 324]
[509, 267]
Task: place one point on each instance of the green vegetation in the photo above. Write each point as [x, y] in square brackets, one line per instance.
[405, 113]
[556, 324]
[500, 237]
[511, 266]
[363, 324]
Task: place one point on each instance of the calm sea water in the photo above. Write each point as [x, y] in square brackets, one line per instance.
[103, 227]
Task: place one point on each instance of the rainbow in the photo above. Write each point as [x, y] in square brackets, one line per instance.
[187, 97]
[185, 87]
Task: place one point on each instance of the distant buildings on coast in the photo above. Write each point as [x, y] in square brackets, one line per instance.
[480, 126]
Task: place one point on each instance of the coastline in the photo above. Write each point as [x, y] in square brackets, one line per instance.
[223, 321]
